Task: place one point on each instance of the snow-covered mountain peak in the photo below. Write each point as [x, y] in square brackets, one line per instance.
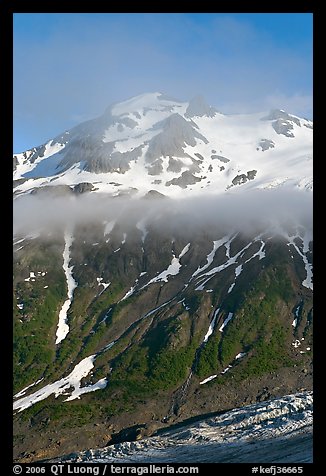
[154, 142]
[148, 101]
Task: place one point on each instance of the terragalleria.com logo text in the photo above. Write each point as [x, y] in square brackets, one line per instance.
[58, 469]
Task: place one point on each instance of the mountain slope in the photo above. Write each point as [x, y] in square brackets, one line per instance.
[162, 270]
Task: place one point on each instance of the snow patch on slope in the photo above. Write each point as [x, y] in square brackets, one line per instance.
[63, 386]
[63, 327]
[211, 326]
[230, 261]
[225, 323]
[69, 386]
[216, 245]
[208, 379]
[100, 283]
[308, 281]
[172, 270]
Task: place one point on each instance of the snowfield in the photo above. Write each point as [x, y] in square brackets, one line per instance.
[211, 326]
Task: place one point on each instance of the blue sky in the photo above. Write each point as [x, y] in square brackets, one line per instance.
[69, 67]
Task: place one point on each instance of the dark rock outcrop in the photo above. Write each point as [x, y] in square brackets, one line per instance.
[83, 187]
[240, 179]
[186, 178]
[266, 144]
[175, 165]
[251, 174]
[154, 194]
[221, 158]
[198, 107]
[177, 132]
[156, 168]
[243, 178]
[282, 122]
[56, 191]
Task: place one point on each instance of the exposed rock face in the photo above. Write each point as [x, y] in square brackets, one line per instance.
[18, 182]
[177, 132]
[251, 174]
[93, 154]
[175, 165]
[242, 178]
[84, 144]
[156, 168]
[98, 156]
[186, 178]
[198, 107]
[31, 155]
[57, 191]
[39, 152]
[282, 122]
[283, 127]
[277, 114]
[132, 433]
[120, 160]
[200, 157]
[266, 144]
[194, 168]
[83, 187]
[221, 158]
[154, 194]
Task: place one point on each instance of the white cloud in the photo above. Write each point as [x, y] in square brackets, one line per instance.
[298, 104]
[243, 211]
